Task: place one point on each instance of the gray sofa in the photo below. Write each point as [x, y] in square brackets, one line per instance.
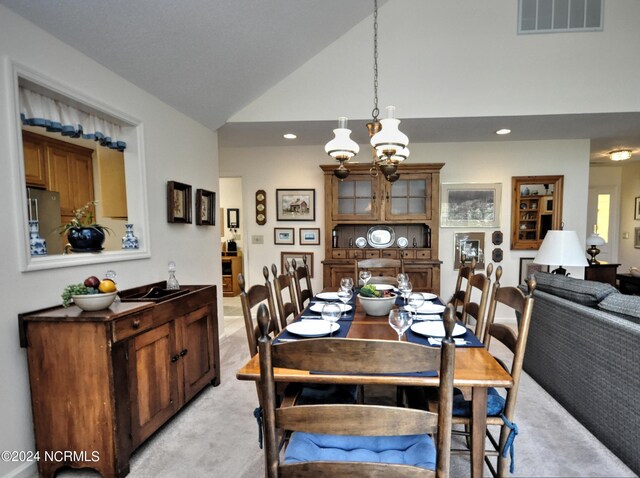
[584, 350]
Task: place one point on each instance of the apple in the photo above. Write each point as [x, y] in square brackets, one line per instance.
[92, 281]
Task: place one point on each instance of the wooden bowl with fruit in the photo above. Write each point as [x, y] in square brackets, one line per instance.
[376, 302]
[92, 294]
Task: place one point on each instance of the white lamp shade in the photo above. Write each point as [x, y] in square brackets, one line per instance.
[396, 158]
[595, 240]
[342, 146]
[389, 140]
[561, 248]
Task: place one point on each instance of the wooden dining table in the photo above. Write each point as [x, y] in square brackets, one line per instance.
[475, 369]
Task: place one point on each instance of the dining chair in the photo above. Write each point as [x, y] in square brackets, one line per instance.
[287, 307]
[460, 292]
[383, 271]
[301, 274]
[476, 300]
[501, 407]
[250, 299]
[356, 440]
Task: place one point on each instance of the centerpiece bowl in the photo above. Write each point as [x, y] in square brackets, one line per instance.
[94, 301]
[377, 306]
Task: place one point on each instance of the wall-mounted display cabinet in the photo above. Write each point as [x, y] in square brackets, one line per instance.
[536, 208]
[408, 206]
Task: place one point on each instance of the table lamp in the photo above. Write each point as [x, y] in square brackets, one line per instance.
[593, 241]
[561, 248]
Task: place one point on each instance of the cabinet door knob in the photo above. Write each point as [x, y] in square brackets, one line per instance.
[136, 324]
[184, 352]
[175, 358]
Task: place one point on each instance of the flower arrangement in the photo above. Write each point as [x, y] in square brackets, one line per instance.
[83, 218]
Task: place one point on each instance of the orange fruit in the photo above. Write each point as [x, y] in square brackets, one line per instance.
[107, 285]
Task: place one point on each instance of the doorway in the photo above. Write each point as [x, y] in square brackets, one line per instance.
[603, 217]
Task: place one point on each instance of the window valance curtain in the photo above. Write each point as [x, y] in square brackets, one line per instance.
[56, 116]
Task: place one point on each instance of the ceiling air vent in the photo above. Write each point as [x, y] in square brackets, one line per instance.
[546, 16]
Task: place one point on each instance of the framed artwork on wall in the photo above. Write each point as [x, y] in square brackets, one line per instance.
[636, 214]
[287, 257]
[309, 236]
[178, 202]
[296, 204]
[205, 207]
[284, 235]
[471, 245]
[636, 243]
[527, 267]
[470, 205]
[233, 218]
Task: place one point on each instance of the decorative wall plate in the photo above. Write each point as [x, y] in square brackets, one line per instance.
[402, 242]
[361, 242]
[261, 207]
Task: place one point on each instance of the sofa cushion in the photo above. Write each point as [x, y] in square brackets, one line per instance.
[584, 292]
[627, 306]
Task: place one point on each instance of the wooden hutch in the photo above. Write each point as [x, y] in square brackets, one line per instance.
[408, 207]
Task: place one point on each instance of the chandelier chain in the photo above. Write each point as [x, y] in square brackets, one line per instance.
[375, 112]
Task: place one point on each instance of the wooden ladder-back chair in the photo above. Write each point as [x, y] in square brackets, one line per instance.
[478, 285]
[301, 274]
[251, 298]
[320, 432]
[465, 271]
[286, 308]
[501, 411]
[383, 271]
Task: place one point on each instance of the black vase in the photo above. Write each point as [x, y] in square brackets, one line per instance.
[86, 239]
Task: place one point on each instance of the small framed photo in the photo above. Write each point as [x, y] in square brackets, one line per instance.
[233, 218]
[178, 202]
[286, 257]
[471, 245]
[636, 213]
[296, 204]
[527, 267]
[284, 235]
[636, 242]
[205, 207]
[470, 205]
[309, 236]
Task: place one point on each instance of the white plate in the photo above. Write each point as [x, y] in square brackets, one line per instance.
[328, 296]
[429, 308]
[402, 242]
[312, 328]
[420, 317]
[318, 307]
[435, 329]
[361, 242]
[429, 296]
[383, 286]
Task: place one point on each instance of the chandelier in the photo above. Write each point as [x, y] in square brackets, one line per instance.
[388, 142]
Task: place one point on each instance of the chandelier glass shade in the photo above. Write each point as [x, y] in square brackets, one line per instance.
[389, 140]
[342, 147]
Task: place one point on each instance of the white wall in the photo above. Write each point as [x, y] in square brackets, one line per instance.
[629, 256]
[176, 148]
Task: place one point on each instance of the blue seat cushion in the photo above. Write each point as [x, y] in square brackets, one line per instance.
[331, 393]
[415, 450]
[462, 407]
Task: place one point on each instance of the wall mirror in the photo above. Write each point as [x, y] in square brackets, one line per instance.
[536, 208]
[106, 168]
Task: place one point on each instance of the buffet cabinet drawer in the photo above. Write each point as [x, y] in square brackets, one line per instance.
[132, 324]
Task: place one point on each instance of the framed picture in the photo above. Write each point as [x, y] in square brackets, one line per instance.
[178, 202]
[636, 242]
[205, 207]
[470, 205]
[471, 245]
[286, 257]
[527, 267]
[296, 204]
[233, 218]
[284, 235]
[309, 236]
[636, 213]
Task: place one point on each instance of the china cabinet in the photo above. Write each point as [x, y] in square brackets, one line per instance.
[102, 382]
[408, 207]
[536, 208]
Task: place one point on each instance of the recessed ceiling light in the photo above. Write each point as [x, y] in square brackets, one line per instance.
[289, 136]
[503, 131]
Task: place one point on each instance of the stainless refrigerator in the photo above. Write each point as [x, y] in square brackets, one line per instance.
[44, 206]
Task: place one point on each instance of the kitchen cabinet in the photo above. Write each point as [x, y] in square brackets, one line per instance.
[409, 206]
[113, 184]
[103, 382]
[536, 208]
[35, 166]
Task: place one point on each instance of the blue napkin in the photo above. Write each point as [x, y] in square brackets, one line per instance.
[424, 373]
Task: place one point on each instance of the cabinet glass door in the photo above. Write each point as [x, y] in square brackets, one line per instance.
[409, 197]
[355, 198]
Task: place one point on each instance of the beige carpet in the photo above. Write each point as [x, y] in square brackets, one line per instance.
[216, 434]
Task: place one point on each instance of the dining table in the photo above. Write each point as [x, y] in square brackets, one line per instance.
[475, 368]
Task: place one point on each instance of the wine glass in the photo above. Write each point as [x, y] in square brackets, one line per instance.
[415, 301]
[405, 289]
[331, 312]
[402, 277]
[345, 296]
[400, 321]
[365, 276]
[346, 283]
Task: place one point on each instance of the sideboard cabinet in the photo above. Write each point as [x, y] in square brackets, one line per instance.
[408, 206]
[102, 382]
